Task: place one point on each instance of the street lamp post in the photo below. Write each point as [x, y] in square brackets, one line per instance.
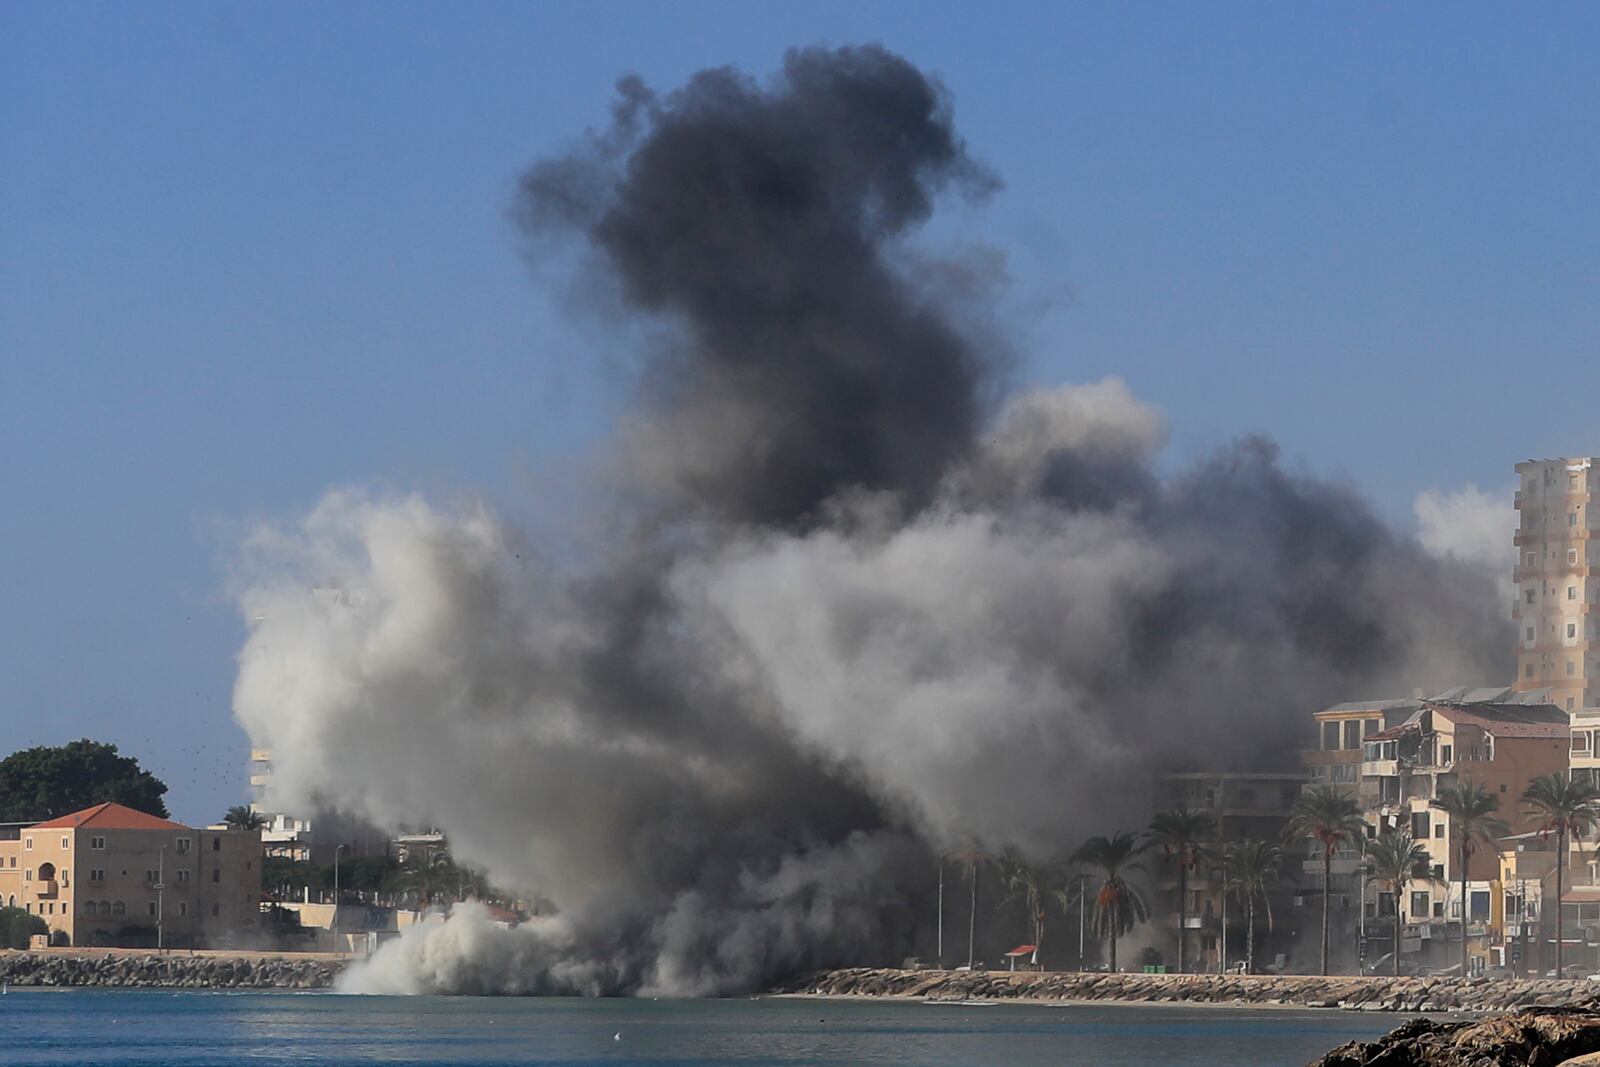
[940, 952]
[333, 924]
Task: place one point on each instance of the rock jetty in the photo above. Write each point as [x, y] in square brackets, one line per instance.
[166, 971]
[1373, 993]
[1544, 1037]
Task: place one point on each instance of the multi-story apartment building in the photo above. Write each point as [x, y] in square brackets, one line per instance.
[1558, 580]
[1244, 805]
[1499, 744]
[110, 875]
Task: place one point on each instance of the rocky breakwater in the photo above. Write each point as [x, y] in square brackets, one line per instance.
[1372, 993]
[166, 971]
[1542, 1037]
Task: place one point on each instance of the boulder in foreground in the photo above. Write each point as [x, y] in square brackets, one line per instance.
[1541, 1037]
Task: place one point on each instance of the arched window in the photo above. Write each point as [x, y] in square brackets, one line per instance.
[47, 872]
[119, 908]
[88, 908]
[105, 908]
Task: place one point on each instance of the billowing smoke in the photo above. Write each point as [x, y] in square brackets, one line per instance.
[856, 608]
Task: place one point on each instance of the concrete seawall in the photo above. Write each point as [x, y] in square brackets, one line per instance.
[173, 971]
[1356, 994]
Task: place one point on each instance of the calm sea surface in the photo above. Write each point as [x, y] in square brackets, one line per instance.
[127, 1028]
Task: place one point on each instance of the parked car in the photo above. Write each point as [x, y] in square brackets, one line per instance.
[1571, 970]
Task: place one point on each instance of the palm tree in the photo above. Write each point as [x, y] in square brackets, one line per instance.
[1029, 883]
[242, 817]
[1249, 868]
[1182, 834]
[1395, 859]
[1471, 809]
[1566, 807]
[1333, 818]
[972, 858]
[1118, 905]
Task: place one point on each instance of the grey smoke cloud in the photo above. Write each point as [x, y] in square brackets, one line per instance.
[861, 614]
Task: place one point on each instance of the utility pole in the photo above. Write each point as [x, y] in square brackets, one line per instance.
[161, 897]
[940, 953]
[1081, 888]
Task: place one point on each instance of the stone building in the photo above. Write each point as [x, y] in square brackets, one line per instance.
[110, 875]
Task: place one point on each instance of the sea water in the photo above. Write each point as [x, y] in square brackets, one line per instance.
[145, 1028]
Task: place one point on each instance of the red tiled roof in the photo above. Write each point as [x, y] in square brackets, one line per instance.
[110, 816]
[1023, 950]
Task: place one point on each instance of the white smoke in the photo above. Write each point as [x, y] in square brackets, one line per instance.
[1468, 524]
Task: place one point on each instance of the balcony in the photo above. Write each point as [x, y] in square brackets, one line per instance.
[1380, 768]
[49, 890]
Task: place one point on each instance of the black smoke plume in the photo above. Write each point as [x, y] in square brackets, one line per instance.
[857, 610]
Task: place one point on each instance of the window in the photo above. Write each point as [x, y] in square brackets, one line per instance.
[1527, 634]
[1572, 592]
[216, 844]
[97, 874]
[1445, 754]
[1419, 828]
[27, 875]
[1527, 596]
[88, 908]
[183, 907]
[151, 907]
[151, 876]
[27, 843]
[1533, 559]
[1572, 559]
[66, 843]
[1438, 829]
[105, 909]
[1352, 735]
[119, 908]
[1572, 518]
[183, 845]
[216, 874]
[97, 842]
[1419, 904]
[183, 876]
[1572, 629]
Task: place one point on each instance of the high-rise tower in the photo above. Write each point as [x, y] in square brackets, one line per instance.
[1558, 580]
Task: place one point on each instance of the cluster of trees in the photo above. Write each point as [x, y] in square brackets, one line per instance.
[46, 782]
[424, 877]
[1566, 808]
[1110, 896]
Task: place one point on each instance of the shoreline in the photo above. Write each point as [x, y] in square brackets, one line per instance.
[1381, 993]
[147, 969]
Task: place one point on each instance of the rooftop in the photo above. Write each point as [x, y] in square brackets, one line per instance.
[110, 816]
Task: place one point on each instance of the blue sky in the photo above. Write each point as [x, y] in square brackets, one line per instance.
[250, 252]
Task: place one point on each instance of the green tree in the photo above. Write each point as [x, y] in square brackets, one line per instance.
[43, 783]
[1471, 809]
[1249, 867]
[1396, 859]
[1331, 817]
[17, 925]
[1118, 904]
[1182, 835]
[1568, 808]
[241, 817]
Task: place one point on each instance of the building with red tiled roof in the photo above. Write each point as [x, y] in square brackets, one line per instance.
[111, 875]
[111, 816]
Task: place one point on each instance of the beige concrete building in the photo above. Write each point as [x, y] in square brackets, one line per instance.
[1558, 592]
[109, 875]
